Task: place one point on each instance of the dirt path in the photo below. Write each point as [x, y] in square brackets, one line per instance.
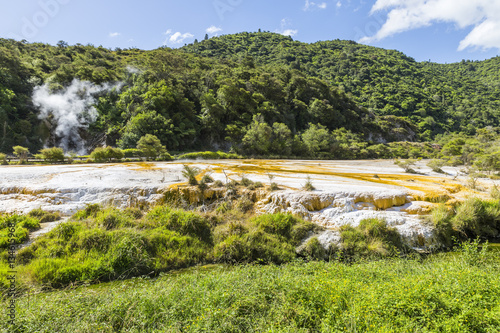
[44, 228]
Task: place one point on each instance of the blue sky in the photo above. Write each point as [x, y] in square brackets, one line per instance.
[436, 30]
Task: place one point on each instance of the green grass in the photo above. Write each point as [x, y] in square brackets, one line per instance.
[443, 293]
[18, 226]
[44, 216]
[448, 292]
[105, 244]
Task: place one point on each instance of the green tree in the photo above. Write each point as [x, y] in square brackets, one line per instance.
[101, 154]
[151, 146]
[257, 139]
[21, 153]
[317, 138]
[3, 159]
[282, 140]
[53, 154]
[146, 123]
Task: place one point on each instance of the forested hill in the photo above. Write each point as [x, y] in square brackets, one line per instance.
[436, 97]
[258, 93]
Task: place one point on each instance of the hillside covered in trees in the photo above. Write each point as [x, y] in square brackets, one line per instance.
[259, 94]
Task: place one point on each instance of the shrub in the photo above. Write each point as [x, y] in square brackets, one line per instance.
[3, 159]
[245, 181]
[96, 239]
[436, 165]
[208, 155]
[231, 228]
[53, 154]
[151, 147]
[473, 253]
[244, 204]
[218, 183]
[108, 154]
[171, 250]
[495, 193]
[132, 152]
[255, 186]
[165, 157]
[128, 254]
[135, 213]
[407, 165]
[65, 231]
[223, 207]
[21, 153]
[207, 179]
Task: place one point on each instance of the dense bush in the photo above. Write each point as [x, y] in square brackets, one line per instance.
[53, 154]
[208, 155]
[107, 154]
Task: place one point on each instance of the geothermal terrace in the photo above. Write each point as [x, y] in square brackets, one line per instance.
[346, 191]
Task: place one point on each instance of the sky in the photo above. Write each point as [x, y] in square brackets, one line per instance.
[443, 31]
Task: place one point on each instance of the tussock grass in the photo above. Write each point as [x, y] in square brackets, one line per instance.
[372, 238]
[104, 244]
[21, 225]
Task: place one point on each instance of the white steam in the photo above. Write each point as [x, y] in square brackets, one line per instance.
[133, 70]
[71, 109]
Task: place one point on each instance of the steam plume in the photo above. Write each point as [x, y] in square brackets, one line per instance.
[71, 109]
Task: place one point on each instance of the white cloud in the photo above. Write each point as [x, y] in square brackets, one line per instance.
[213, 30]
[312, 5]
[284, 30]
[114, 34]
[339, 4]
[177, 37]
[404, 15]
[289, 32]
